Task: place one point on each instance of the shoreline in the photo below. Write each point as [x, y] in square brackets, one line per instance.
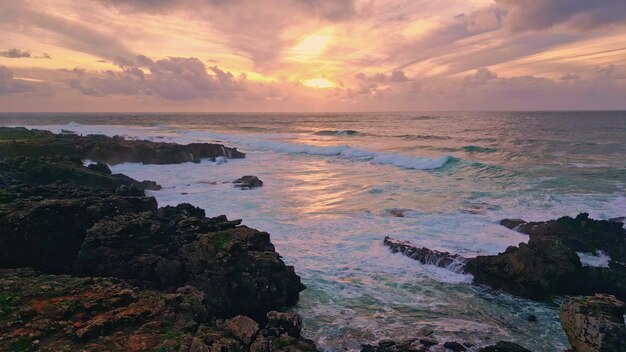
[77, 170]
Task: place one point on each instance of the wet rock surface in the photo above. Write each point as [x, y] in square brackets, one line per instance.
[248, 182]
[427, 342]
[424, 255]
[110, 150]
[594, 323]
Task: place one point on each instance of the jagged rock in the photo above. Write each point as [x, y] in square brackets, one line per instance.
[536, 270]
[454, 346]
[548, 264]
[243, 328]
[236, 267]
[512, 223]
[424, 255]
[595, 323]
[504, 346]
[284, 323]
[583, 234]
[63, 313]
[248, 182]
[110, 150]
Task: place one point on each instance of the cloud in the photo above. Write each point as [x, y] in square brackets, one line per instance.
[480, 77]
[175, 78]
[608, 73]
[395, 76]
[9, 85]
[16, 53]
[525, 15]
[21, 16]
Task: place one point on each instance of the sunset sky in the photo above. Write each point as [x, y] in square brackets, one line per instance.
[312, 55]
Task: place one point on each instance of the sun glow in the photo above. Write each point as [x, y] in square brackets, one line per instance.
[319, 83]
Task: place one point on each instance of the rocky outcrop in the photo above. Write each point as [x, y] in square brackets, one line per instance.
[110, 150]
[62, 313]
[536, 270]
[549, 264]
[424, 255]
[236, 267]
[595, 323]
[248, 182]
[504, 346]
[61, 217]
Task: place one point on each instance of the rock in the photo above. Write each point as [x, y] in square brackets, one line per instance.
[243, 328]
[110, 150]
[236, 267]
[103, 168]
[531, 318]
[512, 223]
[594, 323]
[537, 270]
[583, 234]
[399, 213]
[619, 220]
[248, 182]
[427, 256]
[504, 346]
[455, 346]
[290, 324]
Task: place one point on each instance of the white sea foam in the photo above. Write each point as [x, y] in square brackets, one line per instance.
[598, 259]
[342, 151]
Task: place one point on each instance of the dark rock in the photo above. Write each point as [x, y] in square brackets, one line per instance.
[504, 346]
[103, 168]
[427, 256]
[537, 270]
[248, 182]
[290, 324]
[531, 318]
[455, 346]
[619, 220]
[583, 234]
[110, 150]
[594, 323]
[512, 223]
[243, 328]
[399, 213]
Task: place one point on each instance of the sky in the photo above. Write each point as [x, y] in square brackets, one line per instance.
[312, 55]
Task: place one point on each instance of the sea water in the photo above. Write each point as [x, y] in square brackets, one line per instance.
[331, 182]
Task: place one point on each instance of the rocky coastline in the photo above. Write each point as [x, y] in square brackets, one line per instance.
[88, 262]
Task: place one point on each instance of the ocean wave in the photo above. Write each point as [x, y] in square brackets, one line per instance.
[411, 137]
[341, 151]
[336, 133]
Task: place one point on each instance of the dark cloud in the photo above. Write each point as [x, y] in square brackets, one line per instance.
[524, 15]
[395, 76]
[16, 53]
[9, 85]
[570, 77]
[76, 70]
[175, 78]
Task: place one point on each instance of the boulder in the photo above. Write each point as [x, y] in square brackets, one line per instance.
[594, 323]
[424, 255]
[512, 223]
[248, 182]
[243, 328]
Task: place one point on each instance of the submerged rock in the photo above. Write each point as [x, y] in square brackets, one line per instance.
[595, 323]
[424, 255]
[512, 223]
[248, 182]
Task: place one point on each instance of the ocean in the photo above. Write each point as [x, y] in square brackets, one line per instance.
[333, 180]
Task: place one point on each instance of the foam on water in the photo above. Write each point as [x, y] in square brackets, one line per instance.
[598, 259]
